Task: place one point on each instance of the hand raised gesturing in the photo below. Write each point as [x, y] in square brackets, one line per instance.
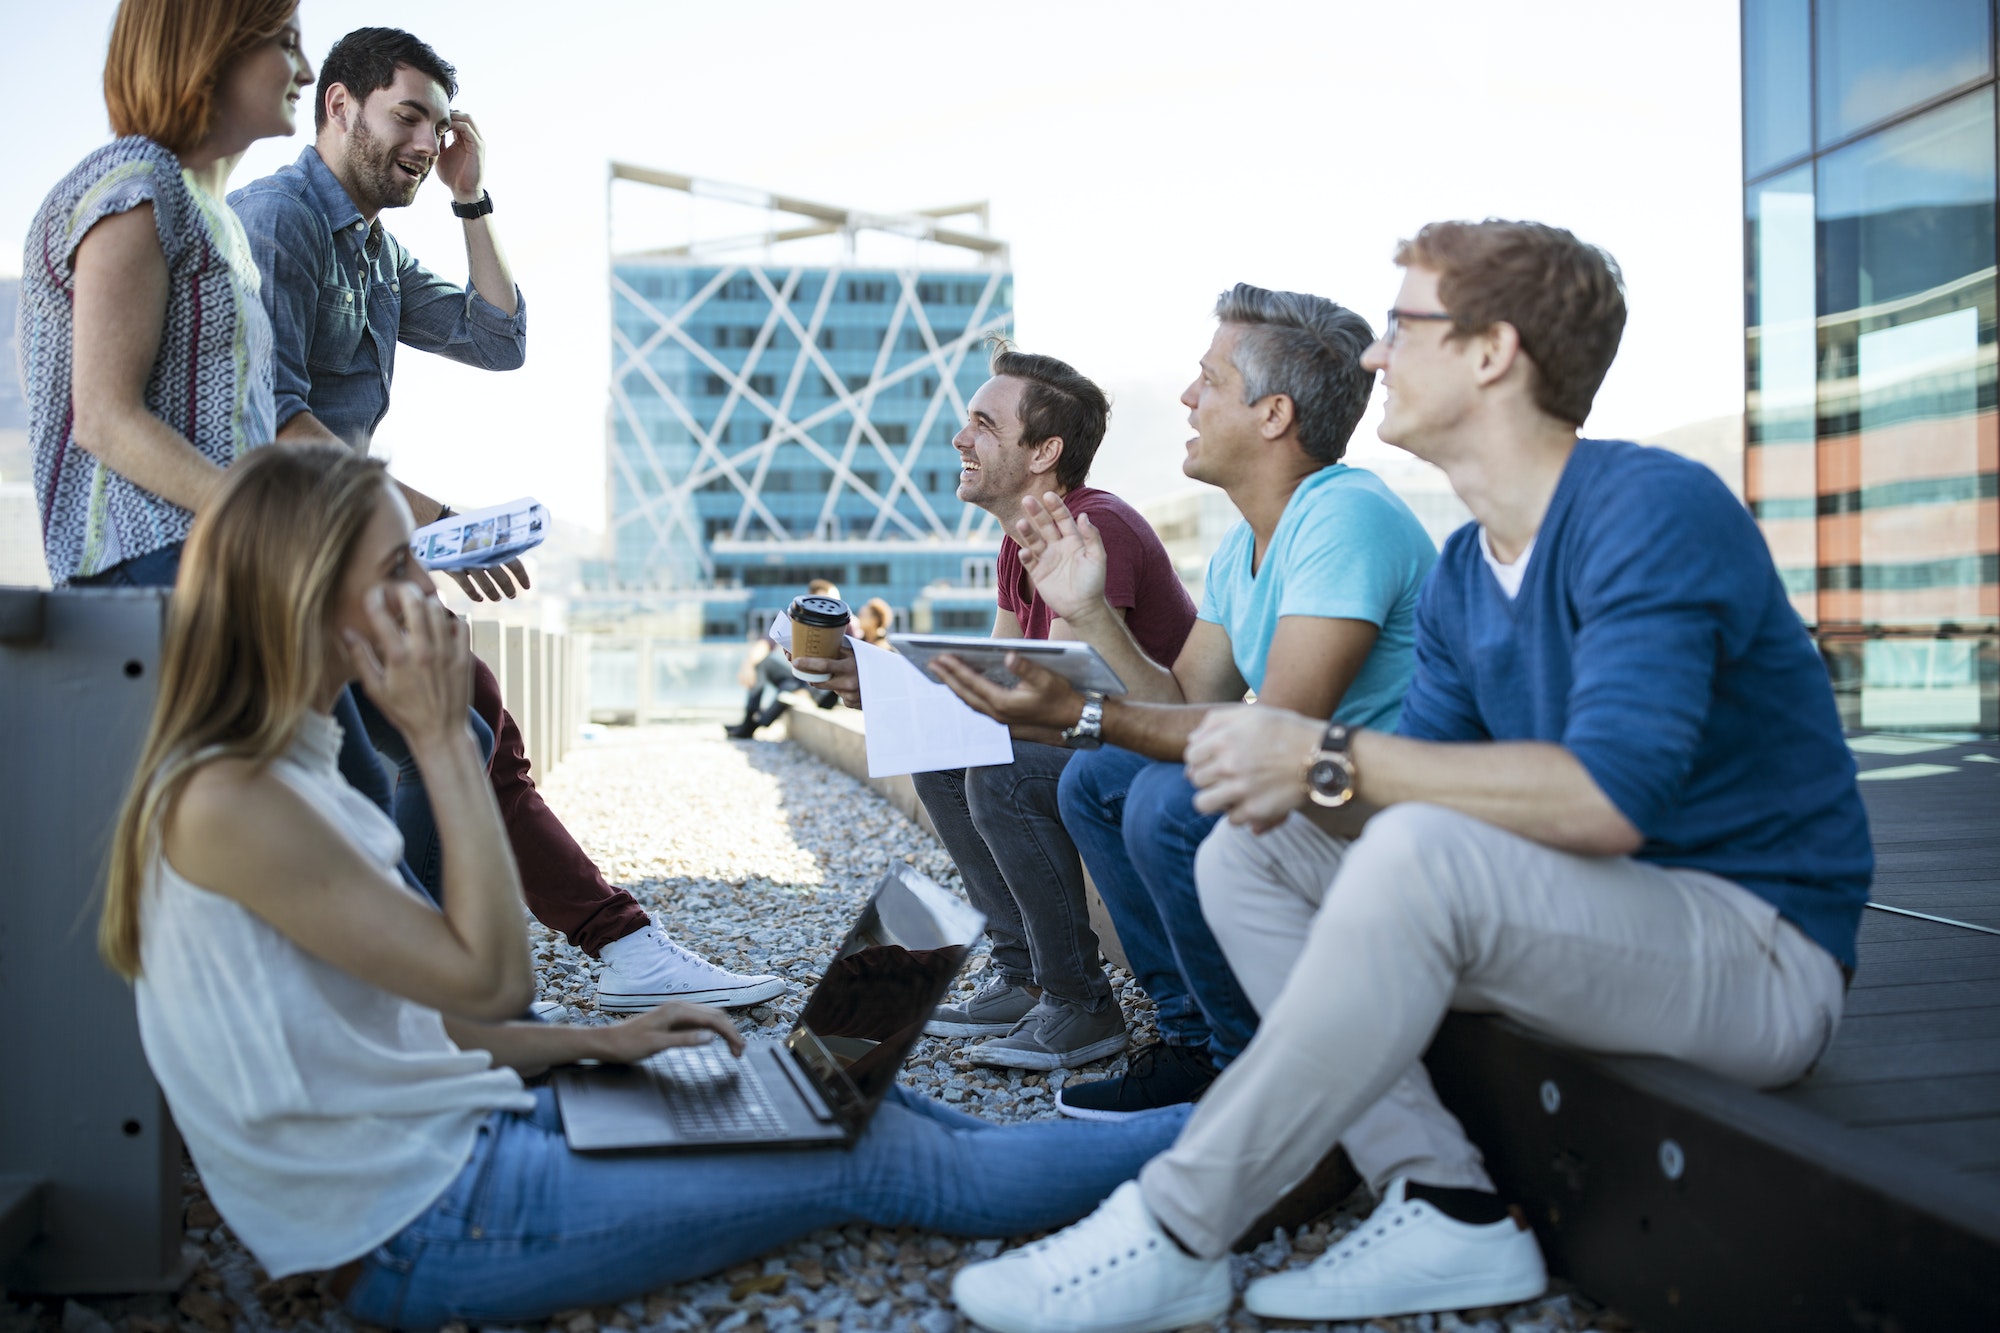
[1064, 556]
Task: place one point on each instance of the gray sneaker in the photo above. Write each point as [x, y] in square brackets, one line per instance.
[997, 1006]
[1056, 1035]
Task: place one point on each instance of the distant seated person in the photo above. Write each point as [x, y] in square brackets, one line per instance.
[767, 674]
[1310, 601]
[874, 621]
[1034, 429]
[1617, 809]
[335, 1048]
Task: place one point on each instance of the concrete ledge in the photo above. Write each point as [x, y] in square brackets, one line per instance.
[838, 737]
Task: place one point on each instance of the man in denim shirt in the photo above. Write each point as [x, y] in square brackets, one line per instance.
[342, 292]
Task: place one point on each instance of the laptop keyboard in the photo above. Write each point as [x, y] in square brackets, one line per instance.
[711, 1095]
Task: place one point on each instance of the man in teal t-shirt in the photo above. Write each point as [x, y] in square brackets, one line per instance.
[1346, 548]
[1310, 603]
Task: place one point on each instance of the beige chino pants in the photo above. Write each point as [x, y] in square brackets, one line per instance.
[1353, 953]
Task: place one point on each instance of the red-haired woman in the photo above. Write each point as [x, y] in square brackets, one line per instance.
[147, 353]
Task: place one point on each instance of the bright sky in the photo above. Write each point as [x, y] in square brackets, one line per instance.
[1140, 157]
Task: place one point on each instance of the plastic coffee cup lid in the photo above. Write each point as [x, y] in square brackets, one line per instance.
[823, 611]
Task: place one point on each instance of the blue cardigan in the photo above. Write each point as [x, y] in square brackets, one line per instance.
[1651, 638]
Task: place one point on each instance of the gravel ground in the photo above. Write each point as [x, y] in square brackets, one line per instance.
[710, 834]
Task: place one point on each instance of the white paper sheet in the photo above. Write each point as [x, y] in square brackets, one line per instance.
[916, 725]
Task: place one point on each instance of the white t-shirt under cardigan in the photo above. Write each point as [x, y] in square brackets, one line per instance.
[323, 1113]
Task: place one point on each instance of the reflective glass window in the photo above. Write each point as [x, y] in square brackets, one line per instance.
[1780, 480]
[1777, 82]
[1906, 363]
[1877, 57]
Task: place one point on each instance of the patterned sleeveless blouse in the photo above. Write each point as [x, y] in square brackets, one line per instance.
[211, 380]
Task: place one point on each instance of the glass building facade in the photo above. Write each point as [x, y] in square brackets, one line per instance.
[1869, 157]
[773, 424]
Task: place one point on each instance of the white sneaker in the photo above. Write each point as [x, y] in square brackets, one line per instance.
[1115, 1271]
[647, 968]
[1407, 1258]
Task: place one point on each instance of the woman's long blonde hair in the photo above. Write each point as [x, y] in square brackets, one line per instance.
[247, 641]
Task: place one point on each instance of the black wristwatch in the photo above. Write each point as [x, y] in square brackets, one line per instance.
[1330, 771]
[477, 209]
[1088, 733]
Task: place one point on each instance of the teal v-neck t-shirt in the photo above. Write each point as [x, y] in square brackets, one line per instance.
[1346, 548]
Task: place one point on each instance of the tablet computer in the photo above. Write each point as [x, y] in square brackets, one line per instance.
[1075, 661]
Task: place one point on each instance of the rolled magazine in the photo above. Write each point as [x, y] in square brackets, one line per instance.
[482, 537]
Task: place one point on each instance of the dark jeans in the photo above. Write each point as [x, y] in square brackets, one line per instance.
[410, 805]
[155, 569]
[563, 886]
[1001, 826]
[1134, 821]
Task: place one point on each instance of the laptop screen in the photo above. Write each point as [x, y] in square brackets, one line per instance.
[874, 998]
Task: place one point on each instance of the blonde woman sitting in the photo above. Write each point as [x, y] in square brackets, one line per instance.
[336, 1049]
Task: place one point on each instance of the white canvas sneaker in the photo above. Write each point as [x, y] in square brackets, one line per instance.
[647, 968]
[1407, 1258]
[1115, 1271]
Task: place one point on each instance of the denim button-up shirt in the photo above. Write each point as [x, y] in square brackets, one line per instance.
[342, 292]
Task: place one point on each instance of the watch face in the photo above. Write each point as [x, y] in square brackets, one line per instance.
[1330, 780]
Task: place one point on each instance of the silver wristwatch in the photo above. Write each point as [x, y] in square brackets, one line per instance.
[1088, 733]
[1330, 771]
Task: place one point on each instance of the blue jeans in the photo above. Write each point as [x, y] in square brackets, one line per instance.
[1134, 822]
[529, 1227]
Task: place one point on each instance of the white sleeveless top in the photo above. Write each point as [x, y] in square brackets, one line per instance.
[323, 1113]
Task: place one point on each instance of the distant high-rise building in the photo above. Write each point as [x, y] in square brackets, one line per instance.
[1870, 442]
[13, 400]
[20, 522]
[777, 417]
[13, 397]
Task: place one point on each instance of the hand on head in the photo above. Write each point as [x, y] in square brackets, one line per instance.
[414, 660]
[461, 163]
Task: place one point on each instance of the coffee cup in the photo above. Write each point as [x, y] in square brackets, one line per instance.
[818, 626]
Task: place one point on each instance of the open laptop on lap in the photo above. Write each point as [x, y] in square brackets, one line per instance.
[825, 1079]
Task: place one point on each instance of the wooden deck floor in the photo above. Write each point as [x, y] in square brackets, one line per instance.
[1917, 1059]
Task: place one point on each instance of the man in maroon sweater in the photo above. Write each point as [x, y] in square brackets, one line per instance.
[1030, 430]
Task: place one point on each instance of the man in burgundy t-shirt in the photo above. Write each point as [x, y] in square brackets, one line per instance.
[1139, 578]
[1044, 1001]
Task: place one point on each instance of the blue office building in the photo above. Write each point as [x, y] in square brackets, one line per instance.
[773, 422]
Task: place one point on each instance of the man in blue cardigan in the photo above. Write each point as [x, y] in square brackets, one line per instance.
[1617, 808]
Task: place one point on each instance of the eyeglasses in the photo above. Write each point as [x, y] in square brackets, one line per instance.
[1393, 329]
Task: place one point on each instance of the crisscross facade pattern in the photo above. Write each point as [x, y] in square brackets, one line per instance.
[771, 423]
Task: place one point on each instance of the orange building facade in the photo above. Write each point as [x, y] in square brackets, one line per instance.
[1872, 444]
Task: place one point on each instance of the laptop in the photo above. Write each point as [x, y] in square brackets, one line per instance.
[821, 1083]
